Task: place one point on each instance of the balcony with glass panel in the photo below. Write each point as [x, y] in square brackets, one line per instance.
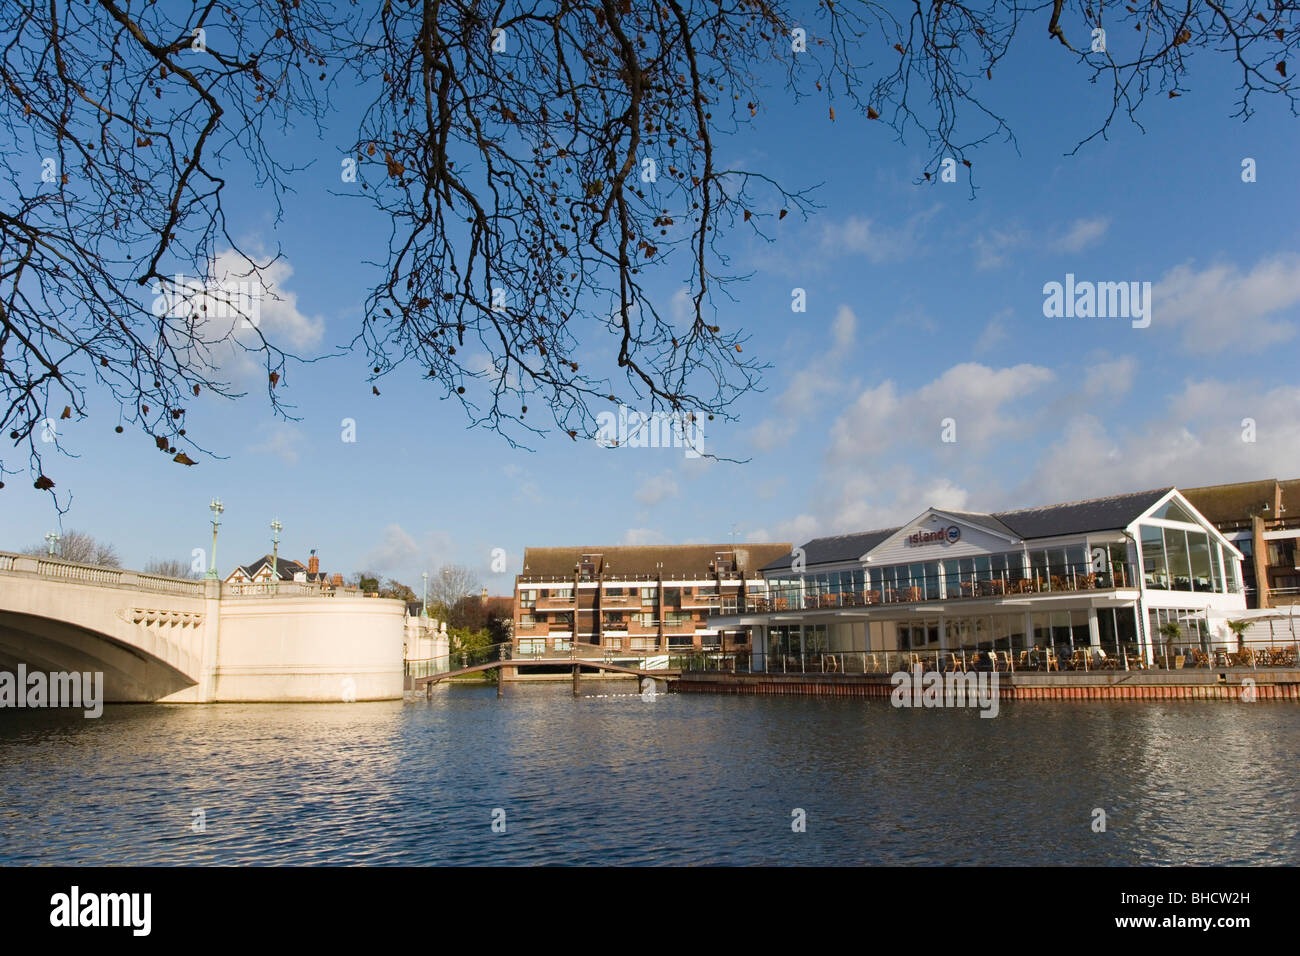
[1064, 570]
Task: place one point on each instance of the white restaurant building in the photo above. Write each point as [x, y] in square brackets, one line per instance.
[1104, 573]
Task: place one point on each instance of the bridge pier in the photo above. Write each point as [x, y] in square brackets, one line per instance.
[501, 682]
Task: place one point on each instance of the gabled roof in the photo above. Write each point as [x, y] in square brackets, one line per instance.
[624, 561]
[833, 550]
[1078, 517]
[979, 519]
[286, 566]
[1048, 521]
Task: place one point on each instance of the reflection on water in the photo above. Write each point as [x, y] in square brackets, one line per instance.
[618, 778]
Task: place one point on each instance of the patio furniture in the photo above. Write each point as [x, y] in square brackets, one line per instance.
[873, 597]
[914, 593]
[1052, 663]
[957, 664]
[1200, 659]
[1080, 660]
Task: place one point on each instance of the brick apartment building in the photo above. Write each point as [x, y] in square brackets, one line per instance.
[1262, 519]
[653, 599]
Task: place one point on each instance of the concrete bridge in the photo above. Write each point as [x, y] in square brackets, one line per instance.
[183, 641]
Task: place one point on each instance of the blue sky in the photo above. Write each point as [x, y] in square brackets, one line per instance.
[923, 305]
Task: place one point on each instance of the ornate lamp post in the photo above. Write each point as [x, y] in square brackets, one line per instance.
[216, 508]
[52, 539]
[276, 528]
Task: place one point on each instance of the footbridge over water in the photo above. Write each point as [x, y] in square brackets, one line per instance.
[168, 639]
[506, 658]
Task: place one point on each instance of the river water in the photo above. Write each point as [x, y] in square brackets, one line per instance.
[679, 779]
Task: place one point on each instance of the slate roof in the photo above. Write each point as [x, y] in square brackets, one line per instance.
[1078, 517]
[1047, 521]
[841, 547]
[286, 566]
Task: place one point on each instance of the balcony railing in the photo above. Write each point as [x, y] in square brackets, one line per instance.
[969, 586]
[1106, 657]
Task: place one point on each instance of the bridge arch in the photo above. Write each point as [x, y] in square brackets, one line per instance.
[131, 674]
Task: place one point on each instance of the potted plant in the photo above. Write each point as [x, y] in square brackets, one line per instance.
[1238, 629]
[1172, 633]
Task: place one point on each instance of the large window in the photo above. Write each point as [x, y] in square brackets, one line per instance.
[1176, 559]
[1153, 557]
[1198, 550]
[1173, 511]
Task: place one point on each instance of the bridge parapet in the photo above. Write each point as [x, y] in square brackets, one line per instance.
[30, 565]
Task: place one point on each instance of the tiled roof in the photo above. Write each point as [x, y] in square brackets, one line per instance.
[1235, 502]
[625, 561]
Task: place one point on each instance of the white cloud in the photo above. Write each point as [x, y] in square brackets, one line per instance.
[995, 332]
[808, 386]
[281, 439]
[397, 549]
[1197, 439]
[1222, 307]
[656, 489]
[1110, 380]
[992, 250]
[642, 536]
[526, 490]
[843, 327]
[243, 308]
[974, 395]
[880, 244]
[1081, 234]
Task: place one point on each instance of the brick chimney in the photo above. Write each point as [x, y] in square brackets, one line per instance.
[337, 581]
[313, 564]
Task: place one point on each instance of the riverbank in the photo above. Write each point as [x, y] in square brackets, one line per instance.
[1234, 684]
